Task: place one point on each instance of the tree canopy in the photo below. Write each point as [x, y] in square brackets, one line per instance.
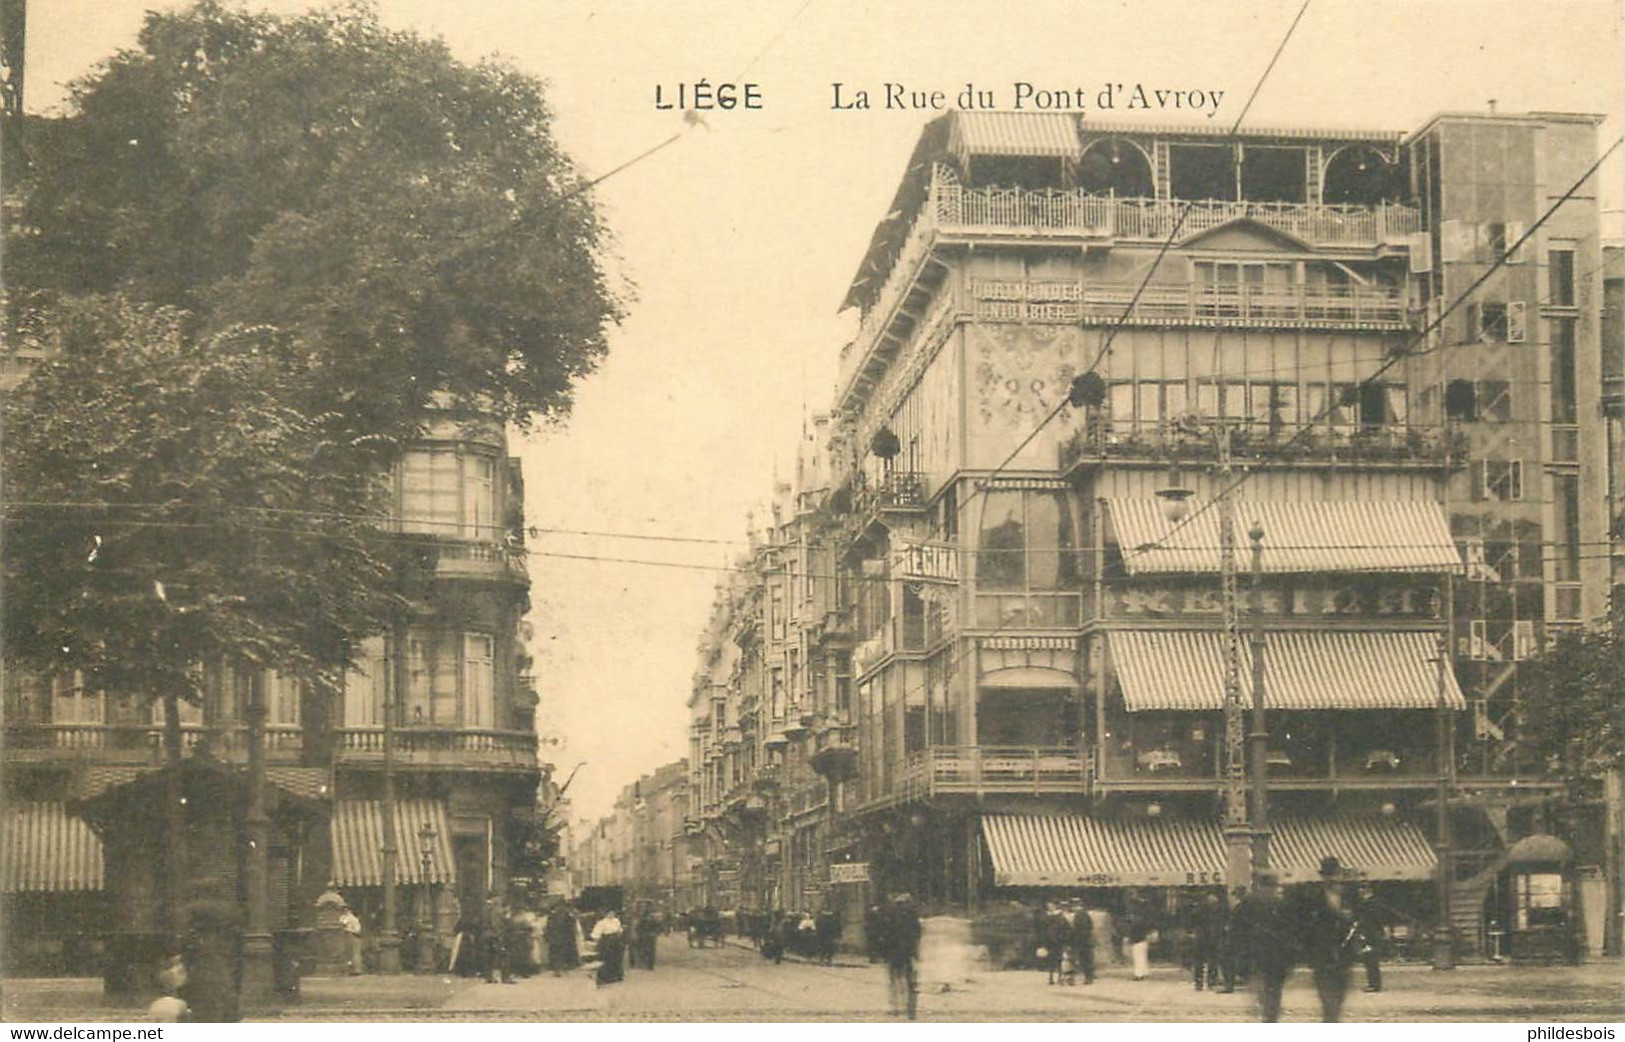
[408, 217]
[259, 252]
[1574, 702]
[169, 504]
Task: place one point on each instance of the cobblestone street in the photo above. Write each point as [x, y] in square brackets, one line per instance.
[733, 983]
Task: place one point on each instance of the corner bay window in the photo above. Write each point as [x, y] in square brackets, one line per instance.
[451, 681]
[1026, 560]
[449, 492]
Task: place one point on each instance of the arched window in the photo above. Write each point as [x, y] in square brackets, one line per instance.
[1115, 166]
[1359, 175]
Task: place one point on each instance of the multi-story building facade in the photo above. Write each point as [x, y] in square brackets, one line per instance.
[641, 845]
[462, 752]
[1011, 662]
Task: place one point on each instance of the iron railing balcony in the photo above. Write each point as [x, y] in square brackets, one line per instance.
[1260, 443]
[1375, 307]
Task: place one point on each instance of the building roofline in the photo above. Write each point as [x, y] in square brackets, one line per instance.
[1529, 118]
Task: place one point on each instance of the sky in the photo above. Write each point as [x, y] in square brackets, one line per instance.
[740, 237]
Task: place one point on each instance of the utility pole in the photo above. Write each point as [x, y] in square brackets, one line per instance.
[258, 973]
[389, 937]
[1444, 937]
[1238, 838]
[1259, 737]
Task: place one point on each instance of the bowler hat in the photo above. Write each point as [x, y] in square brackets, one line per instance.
[1331, 868]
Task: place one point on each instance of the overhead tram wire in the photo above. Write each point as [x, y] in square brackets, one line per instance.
[1404, 352]
[1162, 251]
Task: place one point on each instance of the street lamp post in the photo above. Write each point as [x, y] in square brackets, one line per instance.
[426, 933]
[1238, 836]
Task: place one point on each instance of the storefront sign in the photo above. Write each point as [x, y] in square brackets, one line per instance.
[849, 872]
[926, 562]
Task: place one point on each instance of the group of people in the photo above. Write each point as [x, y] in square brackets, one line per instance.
[811, 936]
[1258, 936]
[1066, 942]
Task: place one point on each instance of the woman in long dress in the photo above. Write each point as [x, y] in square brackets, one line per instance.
[611, 941]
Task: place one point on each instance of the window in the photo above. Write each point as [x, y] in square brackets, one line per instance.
[1566, 493]
[281, 698]
[72, 704]
[1026, 562]
[1560, 274]
[1565, 396]
[1501, 480]
[1493, 401]
[365, 685]
[1492, 320]
[479, 680]
[1523, 640]
[449, 493]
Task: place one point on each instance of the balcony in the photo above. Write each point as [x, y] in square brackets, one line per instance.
[474, 750]
[896, 494]
[1393, 445]
[835, 755]
[954, 211]
[1074, 212]
[978, 770]
[1377, 308]
[139, 744]
[467, 559]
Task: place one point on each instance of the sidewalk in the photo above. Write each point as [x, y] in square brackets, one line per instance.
[41, 1000]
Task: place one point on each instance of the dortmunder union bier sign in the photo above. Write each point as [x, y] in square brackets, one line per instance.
[926, 562]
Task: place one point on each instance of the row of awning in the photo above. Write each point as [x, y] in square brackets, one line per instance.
[1054, 850]
[45, 849]
[1307, 670]
[1313, 536]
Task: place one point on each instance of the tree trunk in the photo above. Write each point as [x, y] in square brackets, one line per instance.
[174, 821]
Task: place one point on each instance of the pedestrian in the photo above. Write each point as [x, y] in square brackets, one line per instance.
[352, 938]
[1265, 933]
[1372, 916]
[1140, 926]
[646, 937]
[1081, 945]
[827, 929]
[497, 933]
[1331, 938]
[559, 936]
[1207, 939]
[900, 944]
[1048, 941]
[610, 938]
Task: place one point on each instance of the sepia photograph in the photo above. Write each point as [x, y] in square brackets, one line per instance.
[812, 511]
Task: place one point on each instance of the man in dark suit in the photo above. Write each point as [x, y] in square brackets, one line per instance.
[1265, 932]
[1331, 937]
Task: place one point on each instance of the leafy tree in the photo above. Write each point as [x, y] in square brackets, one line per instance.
[168, 504]
[407, 215]
[1574, 705]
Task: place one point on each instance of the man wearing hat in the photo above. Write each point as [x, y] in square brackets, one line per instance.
[1331, 937]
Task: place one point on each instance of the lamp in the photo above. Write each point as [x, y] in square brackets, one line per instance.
[1176, 503]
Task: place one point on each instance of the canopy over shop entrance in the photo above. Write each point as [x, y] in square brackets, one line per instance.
[1064, 850]
[358, 843]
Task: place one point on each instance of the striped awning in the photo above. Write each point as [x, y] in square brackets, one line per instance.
[358, 842]
[44, 848]
[1043, 134]
[1071, 850]
[1368, 848]
[1381, 536]
[1184, 670]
